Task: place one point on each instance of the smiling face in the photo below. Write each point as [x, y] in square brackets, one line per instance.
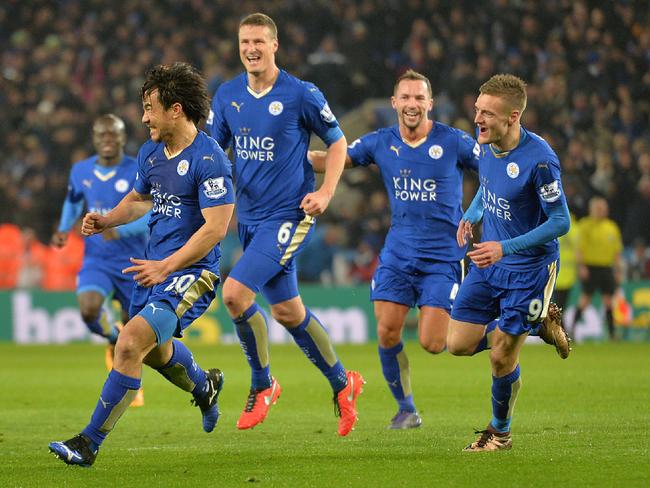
[109, 138]
[412, 103]
[158, 120]
[494, 117]
[257, 48]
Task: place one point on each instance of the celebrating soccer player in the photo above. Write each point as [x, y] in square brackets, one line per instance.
[421, 163]
[98, 184]
[524, 210]
[184, 178]
[266, 116]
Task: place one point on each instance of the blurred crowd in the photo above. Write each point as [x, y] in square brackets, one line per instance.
[587, 64]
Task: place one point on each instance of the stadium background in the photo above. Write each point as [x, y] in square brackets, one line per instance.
[65, 62]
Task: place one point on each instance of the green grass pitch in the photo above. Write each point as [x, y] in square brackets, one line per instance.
[580, 422]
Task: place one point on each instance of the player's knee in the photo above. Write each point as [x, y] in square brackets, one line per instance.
[433, 346]
[501, 364]
[388, 336]
[127, 349]
[285, 316]
[231, 299]
[89, 314]
[459, 348]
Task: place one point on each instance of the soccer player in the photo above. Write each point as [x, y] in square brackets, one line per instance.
[421, 163]
[524, 210]
[266, 116]
[184, 178]
[98, 184]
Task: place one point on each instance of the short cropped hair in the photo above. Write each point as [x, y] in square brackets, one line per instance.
[179, 83]
[509, 87]
[413, 75]
[111, 119]
[262, 20]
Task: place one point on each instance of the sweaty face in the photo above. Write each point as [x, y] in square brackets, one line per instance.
[155, 117]
[109, 138]
[256, 48]
[492, 118]
[412, 103]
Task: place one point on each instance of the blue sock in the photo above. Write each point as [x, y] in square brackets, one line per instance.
[182, 371]
[117, 394]
[486, 342]
[315, 342]
[104, 326]
[253, 332]
[504, 395]
[534, 331]
[395, 366]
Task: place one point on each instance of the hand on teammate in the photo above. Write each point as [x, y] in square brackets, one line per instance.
[485, 254]
[147, 272]
[464, 232]
[93, 223]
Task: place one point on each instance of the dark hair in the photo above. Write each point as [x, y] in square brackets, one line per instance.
[415, 76]
[179, 83]
[262, 20]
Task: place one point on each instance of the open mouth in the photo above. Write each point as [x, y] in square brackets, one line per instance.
[253, 58]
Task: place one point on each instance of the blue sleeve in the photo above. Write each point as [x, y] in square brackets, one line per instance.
[138, 226]
[214, 181]
[217, 125]
[318, 116]
[70, 213]
[558, 224]
[141, 183]
[474, 212]
[468, 151]
[362, 150]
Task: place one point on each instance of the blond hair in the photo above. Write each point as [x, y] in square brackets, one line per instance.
[262, 20]
[509, 87]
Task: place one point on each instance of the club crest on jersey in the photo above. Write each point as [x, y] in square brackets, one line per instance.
[183, 167]
[326, 114]
[214, 188]
[276, 108]
[121, 185]
[513, 170]
[395, 150]
[550, 192]
[436, 151]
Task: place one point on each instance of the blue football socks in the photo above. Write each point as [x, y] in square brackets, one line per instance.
[315, 342]
[182, 371]
[486, 342]
[252, 330]
[117, 394]
[395, 366]
[504, 395]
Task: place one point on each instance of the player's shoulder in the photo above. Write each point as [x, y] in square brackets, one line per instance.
[84, 165]
[538, 149]
[147, 150]
[442, 129]
[234, 85]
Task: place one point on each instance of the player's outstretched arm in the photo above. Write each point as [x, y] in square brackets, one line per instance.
[148, 273]
[316, 202]
[317, 159]
[133, 206]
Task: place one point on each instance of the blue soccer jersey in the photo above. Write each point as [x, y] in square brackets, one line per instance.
[199, 177]
[519, 187]
[424, 184]
[101, 191]
[269, 135]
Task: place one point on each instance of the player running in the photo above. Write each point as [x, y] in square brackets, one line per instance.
[267, 116]
[524, 210]
[184, 178]
[421, 163]
[98, 184]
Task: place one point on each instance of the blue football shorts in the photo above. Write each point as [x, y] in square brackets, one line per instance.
[105, 277]
[188, 292]
[519, 298]
[268, 263]
[437, 287]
